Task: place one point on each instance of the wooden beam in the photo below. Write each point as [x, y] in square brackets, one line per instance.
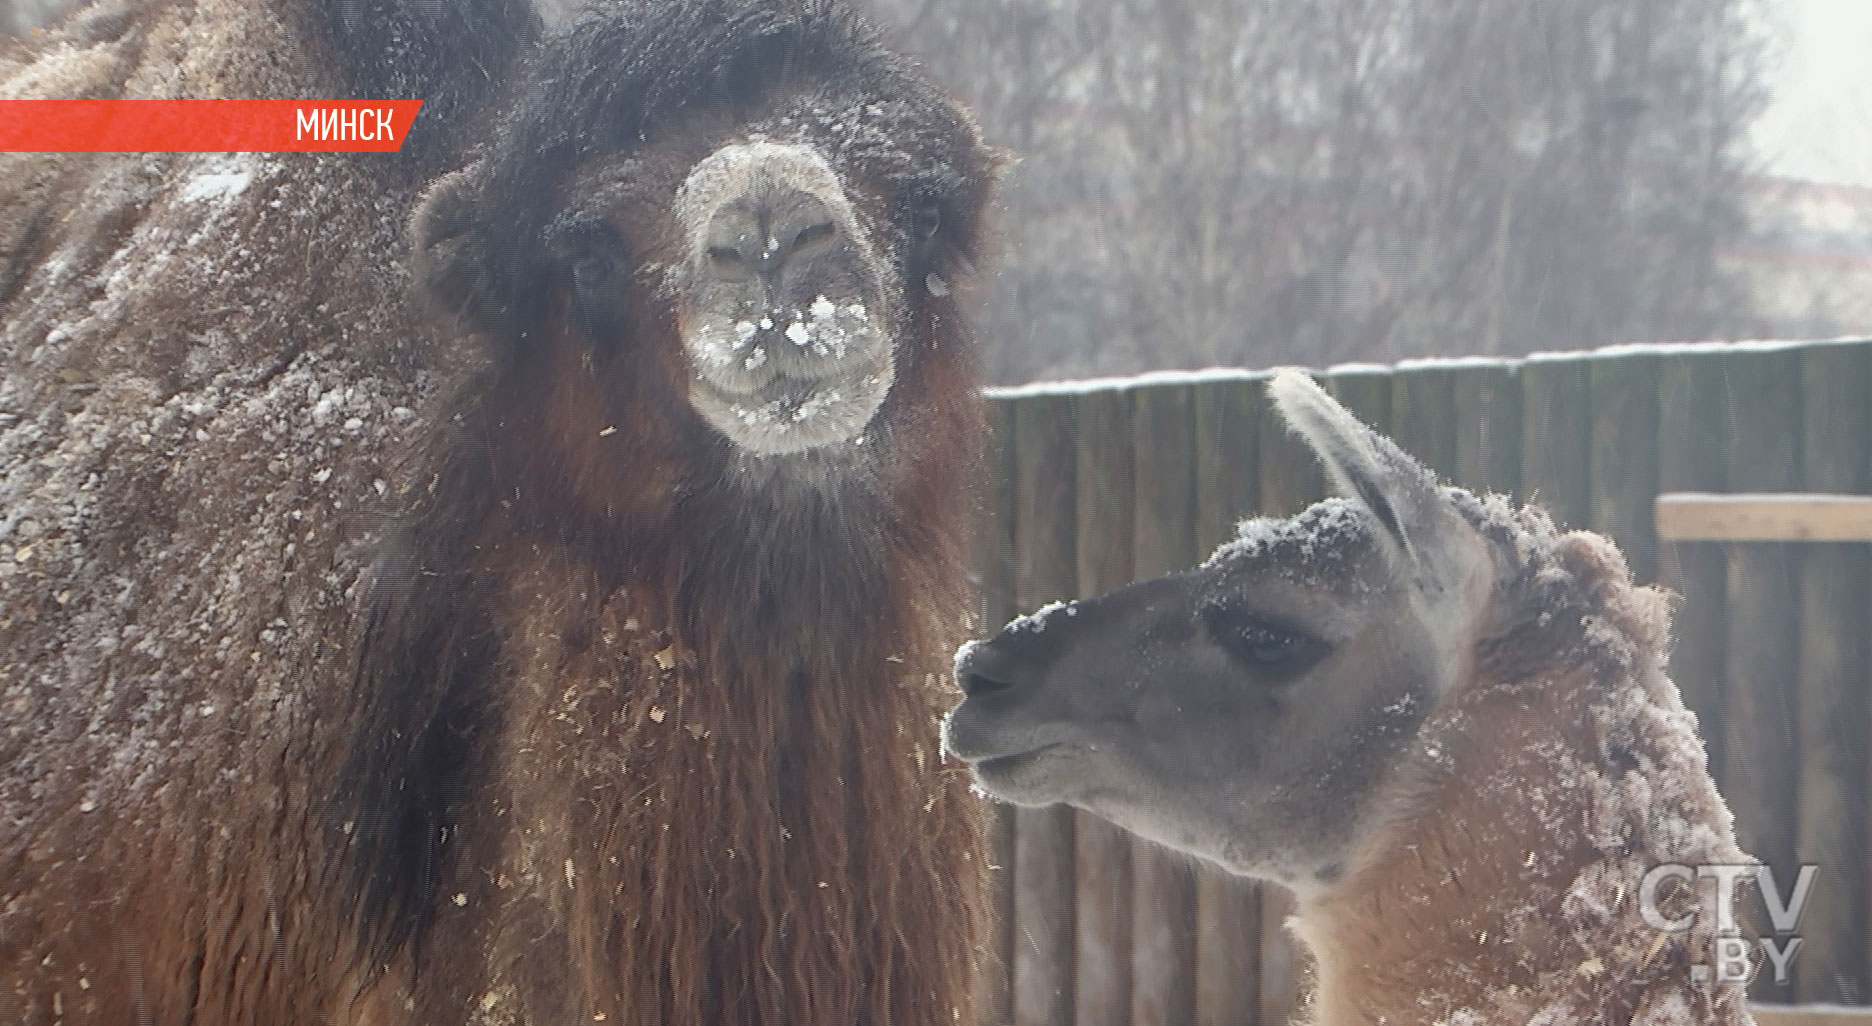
[1699, 516]
[1811, 1015]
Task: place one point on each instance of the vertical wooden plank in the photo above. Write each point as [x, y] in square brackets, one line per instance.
[1624, 456]
[1423, 414]
[1165, 434]
[1693, 444]
[1488, 426]
[994, 562]
[1102, 852]
[1762, 654]
[1228, 433]
[1556, 437]
[1864, 870]
[1228, 908]
[1836, 415]
[994, 534]
[1163, 984]
[1290, 481]
[1045, 565]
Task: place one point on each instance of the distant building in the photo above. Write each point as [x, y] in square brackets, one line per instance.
[1807, 261]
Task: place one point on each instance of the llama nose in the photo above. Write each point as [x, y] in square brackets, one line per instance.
[1004, 664]
[756, 237]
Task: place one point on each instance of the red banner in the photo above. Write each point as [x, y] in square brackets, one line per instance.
[205, 126]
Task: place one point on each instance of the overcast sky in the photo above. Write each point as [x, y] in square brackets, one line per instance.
[1820, 124]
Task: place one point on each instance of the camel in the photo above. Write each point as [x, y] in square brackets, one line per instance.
[1440, 722]
[508, 581]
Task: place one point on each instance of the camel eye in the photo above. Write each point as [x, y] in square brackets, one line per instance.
[1262, 644]
[925, 219]
[588, 250]
[593, 270]
[726, 258]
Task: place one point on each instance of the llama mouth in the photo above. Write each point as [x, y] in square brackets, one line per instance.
[1008, 767]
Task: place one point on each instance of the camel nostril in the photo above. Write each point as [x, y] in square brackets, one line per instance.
[812, 235]
[728, 260]
[763, 232]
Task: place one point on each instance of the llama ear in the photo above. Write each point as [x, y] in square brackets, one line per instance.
[1426, 537]
[450, 258]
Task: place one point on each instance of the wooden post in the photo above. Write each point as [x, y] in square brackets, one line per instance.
[1228, 434]
[1423, 414]
[1228, 908]
[1836, 412]
[995, 565]
[1488, 426]
[1163, 983]
[1693, 447]
[1762, 656]
[1624, 456]
[1102, 851]
[1045, 464]
[1556, 437]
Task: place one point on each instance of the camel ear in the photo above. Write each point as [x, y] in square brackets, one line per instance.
[450, 254]
[1421, 530]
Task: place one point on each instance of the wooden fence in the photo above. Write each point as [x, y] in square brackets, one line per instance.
[1094, 486]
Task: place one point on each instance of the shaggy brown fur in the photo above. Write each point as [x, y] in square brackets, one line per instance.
[1571, 766]
[630, 729]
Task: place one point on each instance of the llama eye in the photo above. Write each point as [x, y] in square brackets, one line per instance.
[1263, 645]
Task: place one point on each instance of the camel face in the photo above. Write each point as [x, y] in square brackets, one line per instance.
[770, 276]
[1248, 711]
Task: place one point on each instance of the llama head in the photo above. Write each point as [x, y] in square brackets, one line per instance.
[747, 215]
[1250, 711]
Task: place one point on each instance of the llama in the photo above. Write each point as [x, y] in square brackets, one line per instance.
[565, 646]
[1441, 723]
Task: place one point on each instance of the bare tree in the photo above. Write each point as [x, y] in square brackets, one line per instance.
[19, 16]
[1259, 181]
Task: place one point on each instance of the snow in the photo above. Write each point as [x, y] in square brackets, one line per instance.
[1454, 363]
[1088, 385]
[1169, 378]
[1036, 621]
[1320, 540]
[825, 329]
[218, 186]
